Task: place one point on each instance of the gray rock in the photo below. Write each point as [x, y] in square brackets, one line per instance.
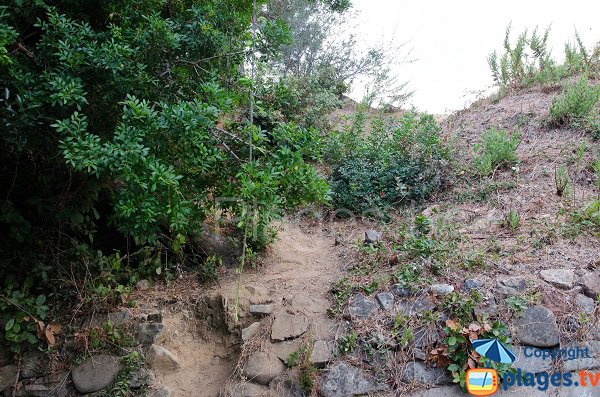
[588, 357]
[96, 373]
[8, 374]
[401, 291]
[325, 328]
[472, 283]
[118, 318]
[417, 372]
[488, 307]
[283, 349]
[6, 357]
[537, 327]
[420, 305]
[262, 367]
[155, 317]
[591, 284]
[161, 359]
[344, 380]
[362, 307]
[585, 304]
[261, 310]
[322, 353]
[250, 331]
[530, 364]
[52, 385]
[508, 286]
[441, 289]
[33, 365]
[386, 300]
[147, 334]
[286, 385]
[577, 391]
[561, 278]
[162, 391]
[142, 285]
[142, 377]
[444, 391]
[288, 326]
[247, 389]
[372, 236]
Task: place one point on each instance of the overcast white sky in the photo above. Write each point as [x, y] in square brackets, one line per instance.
[451, 39]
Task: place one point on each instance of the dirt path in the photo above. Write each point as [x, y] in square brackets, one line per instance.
[295, 272]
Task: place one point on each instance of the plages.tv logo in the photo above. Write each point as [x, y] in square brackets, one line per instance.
[484, 381]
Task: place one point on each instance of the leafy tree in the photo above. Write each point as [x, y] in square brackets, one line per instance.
[114, 118]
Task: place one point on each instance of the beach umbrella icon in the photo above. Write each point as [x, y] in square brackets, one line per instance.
[494, 350]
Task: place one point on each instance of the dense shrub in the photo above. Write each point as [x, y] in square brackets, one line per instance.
[397, 162]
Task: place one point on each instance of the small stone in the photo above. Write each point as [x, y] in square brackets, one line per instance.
[537, 327]
[8, 374]
[288, 326]
[386, 300]
[472, 283]
[96, 373]
[261, 310]
[441, 289]
[529, 362]
[591, 284]
[372, 237]
[322, 353]
[511, 285]
[161, 359]
[488, 307]
[262, 367]
[283, 349]
[417, 372]
[561, 278]
[362, 307]
[401, 291]
[142, 285]
[344, 380]
[148, 333]
[585, 304]
[250, 331]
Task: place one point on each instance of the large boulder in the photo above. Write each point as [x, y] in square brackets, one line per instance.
[537, 327]
[344, 380]
[96, 373]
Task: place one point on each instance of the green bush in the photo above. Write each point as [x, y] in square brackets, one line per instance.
[497, 149]
[576, 105]
[398, 162]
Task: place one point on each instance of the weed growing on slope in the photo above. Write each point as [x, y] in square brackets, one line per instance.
[575, 106]
[497, 149]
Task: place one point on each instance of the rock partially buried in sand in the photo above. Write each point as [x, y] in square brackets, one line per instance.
[288, 326]
[262, 367]
[362, 307]
[161, 359]
[372, 237]
[561, 278]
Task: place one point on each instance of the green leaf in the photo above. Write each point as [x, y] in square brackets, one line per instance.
[452, 341]
[41, 299]
[9, 324]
